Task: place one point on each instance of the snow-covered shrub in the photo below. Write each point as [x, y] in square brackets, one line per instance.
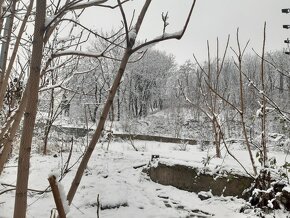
[183, 146]
[269, 192]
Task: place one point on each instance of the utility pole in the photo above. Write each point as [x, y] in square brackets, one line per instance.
[287, 41]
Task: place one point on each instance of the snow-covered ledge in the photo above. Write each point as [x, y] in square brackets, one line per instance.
[194, 179]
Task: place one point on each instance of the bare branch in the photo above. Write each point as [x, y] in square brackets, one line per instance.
[81, 5]
[163, 37]
[270, 101]
[230, 153]
[95, 33]
[125, 22]
[224, 57]
[113, 7]
[70, 6]
[273, 65]
[223, 98]
[245, 47]
[78, 53]
[197, 62]
[165, 19]
[65, 80]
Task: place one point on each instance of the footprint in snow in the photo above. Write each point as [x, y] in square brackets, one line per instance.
[170, 203]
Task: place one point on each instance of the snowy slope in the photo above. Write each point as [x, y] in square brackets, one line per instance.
[123, 190]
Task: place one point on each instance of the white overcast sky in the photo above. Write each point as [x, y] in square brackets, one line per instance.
[210, 19]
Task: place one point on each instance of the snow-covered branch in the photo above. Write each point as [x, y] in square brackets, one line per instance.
[86, 4]
[65, 80]
[53, 21]
[166, 36]
[78, 53]
[270, 100]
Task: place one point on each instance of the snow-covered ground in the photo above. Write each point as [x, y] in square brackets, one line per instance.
[124, 191]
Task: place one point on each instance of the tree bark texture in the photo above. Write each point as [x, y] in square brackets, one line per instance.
[30, 112]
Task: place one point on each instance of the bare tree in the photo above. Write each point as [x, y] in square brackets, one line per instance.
[263, 106]
[147, 81]
[131, 35]
[44, 28]
[211, 107]
[213, 100]
[241, 109]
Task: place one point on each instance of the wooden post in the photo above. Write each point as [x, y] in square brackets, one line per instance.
[56, 196]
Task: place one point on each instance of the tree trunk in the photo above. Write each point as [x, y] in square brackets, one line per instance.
[281, 84]
[49, 122]
[99, 129]
[263, 105]
[46, 134]
[4, 51]
[6, 73]
[30, 113]
[7, 142]
[217, 138]
[118, 106]
[2, 12]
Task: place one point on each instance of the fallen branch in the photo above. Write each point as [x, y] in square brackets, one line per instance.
[139, 166]
[29, 189]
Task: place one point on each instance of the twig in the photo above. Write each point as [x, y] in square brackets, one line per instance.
[98, 206]
[29, 189]
[7, 190]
